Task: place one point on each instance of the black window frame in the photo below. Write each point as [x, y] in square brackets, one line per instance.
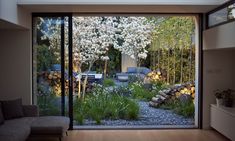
[216, 10]
[201, 23]
[61, 15]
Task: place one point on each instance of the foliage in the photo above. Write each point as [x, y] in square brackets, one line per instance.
[218, 94]
[158, 85]
[134, 79]
[108, 82]
[102, 104]
[122, 90]
[133, 35]
[225, 94]
[48, 104]
[172, 49]
[185, 109]
[92, 37]
[139, 92]
[45, 58]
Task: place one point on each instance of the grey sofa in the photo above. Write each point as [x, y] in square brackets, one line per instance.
[133, 71]
[31, 125]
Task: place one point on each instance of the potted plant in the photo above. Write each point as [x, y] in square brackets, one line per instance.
[228, 98]
[219, 97]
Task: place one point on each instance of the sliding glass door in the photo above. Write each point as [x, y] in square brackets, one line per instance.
[117, 71]
[51, 67]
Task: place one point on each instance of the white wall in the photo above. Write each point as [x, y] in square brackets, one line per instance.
[218, 73]
[9, 11]
[219, 37]
[15, 69]
[218, 64]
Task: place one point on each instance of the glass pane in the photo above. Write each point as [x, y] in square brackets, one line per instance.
[47, 65]
[218, 17]
[222, 15]
[66, 67]
[134, 71]
[231, 9]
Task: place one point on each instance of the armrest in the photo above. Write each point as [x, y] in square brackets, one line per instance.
[30, 110]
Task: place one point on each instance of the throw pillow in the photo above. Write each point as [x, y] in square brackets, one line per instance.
[1, 115]
[12, 109]
[131, 70]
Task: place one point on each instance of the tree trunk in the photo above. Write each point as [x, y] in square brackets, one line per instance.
[154, 60]
[181, 65]
[174, 65]
[105, 68]
[85, 80]
[190, 62]
[168, 65]
[79, 81]
[158, 58]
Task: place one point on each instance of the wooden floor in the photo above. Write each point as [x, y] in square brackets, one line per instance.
[142, 135]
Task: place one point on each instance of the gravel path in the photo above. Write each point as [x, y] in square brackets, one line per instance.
[148, 116]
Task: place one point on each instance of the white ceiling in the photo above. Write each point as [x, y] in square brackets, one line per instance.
[124, 2]
[121, 6]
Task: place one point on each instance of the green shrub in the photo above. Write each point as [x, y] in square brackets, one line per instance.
[108, 82]
[48, 103]
[122, 90]
[134, 79]
[185, 109]
[139, 92]
[132, 110]
[102, 104]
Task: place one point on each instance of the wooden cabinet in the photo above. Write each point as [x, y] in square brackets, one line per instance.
[223, 120]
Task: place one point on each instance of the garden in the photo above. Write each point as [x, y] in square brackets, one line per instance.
[157, 88]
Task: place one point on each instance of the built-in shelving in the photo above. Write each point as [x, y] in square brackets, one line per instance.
[223, 120]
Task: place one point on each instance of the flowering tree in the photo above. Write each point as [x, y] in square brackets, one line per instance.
[133, 35]
[92, 36]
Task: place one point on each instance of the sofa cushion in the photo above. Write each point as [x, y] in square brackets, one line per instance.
[50, 125]
[17, 129]
[131, 70]
[1, 115]
[146, 71]
[12, 109]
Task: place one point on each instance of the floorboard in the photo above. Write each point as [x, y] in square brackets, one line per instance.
[141, 135]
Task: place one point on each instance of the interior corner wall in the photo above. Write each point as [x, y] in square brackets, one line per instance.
[15, 69]
[218, 66]
[12, 13]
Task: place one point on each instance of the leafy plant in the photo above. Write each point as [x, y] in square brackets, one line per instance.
[139, 92]
[48, 103]
[134, 79]
[218, 94]
[108, 82]
[185, 109]
[103, 104]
